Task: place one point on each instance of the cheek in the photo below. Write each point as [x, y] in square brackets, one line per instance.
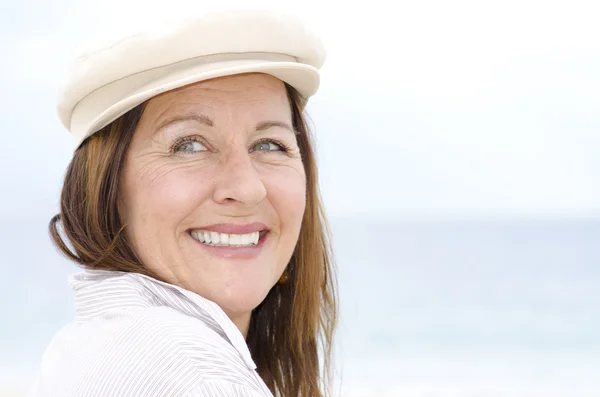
[287, 193]
[159, 197]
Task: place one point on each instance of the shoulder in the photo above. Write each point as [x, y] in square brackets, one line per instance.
[220, 388]
[194, 340]
[138, 352]
[160, 334]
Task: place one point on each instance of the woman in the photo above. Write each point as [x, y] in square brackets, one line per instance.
[192, 204]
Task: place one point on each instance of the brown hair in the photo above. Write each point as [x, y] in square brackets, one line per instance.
[289, 331]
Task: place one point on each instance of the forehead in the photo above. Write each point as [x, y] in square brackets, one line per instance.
[254, 94]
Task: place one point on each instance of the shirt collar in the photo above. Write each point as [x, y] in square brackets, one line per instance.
[96, 293]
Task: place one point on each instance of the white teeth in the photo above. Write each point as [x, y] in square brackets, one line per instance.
[245, 239]
[224, 239]
[215, 237]
[198, 235]
[235, 239]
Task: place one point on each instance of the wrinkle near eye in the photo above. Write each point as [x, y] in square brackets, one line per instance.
[154, 172]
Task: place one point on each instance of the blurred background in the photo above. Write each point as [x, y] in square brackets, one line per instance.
[459, 153]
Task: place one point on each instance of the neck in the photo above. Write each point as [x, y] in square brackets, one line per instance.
[241, 321]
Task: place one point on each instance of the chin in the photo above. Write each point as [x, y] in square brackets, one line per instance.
[240, 300]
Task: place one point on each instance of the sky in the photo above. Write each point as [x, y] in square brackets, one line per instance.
[426, 108]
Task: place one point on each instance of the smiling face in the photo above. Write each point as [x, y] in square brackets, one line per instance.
[213, 189]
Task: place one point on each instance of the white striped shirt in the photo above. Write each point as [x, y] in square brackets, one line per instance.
[135, 336]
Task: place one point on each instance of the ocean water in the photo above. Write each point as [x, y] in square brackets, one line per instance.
[428, 308]
[470, 308]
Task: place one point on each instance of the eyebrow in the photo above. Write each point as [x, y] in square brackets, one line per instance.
[200, 118]
[263, 125]
[203, 119]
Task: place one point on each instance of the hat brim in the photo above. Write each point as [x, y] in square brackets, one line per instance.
[106, 104]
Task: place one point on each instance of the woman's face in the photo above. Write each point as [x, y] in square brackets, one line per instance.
[213, 189]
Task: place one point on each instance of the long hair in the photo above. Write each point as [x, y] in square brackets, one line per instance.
[291, 332]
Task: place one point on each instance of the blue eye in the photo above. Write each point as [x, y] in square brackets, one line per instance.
[190, 146]
[268, 146]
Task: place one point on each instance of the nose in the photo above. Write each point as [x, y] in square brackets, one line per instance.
[239, 181]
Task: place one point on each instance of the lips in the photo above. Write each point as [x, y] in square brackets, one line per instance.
[230, 228]
[232, 241]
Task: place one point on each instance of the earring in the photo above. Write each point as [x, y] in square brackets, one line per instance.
[284, 278]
